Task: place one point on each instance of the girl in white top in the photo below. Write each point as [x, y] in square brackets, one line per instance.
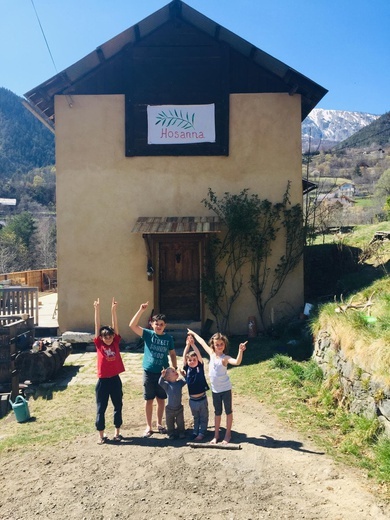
[219, 379]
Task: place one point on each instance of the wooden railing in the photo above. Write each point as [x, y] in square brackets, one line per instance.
[19, 301]
[44, 279]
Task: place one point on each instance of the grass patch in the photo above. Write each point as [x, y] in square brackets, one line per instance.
[362, 234]
[382, 453]
[364, 202]
[54, 419]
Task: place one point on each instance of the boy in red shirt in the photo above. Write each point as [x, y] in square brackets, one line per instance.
[109, 366]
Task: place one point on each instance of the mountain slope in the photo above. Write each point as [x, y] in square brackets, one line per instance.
[325, 128]
[377, 133]
[24, 142]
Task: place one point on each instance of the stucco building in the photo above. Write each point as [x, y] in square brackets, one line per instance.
[145, 125]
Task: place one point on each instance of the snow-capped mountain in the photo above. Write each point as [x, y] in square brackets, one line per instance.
[325, 128]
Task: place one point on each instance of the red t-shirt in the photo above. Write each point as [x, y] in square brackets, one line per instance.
[109, 360]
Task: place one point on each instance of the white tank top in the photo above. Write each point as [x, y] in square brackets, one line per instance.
[219, 379]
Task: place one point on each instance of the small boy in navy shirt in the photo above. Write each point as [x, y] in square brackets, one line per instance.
[197, 387]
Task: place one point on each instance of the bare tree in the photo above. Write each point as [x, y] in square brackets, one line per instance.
[46, 254]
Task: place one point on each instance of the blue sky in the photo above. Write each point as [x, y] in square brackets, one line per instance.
[344, 45]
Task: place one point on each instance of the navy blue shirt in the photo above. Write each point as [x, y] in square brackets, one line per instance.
[196, 380]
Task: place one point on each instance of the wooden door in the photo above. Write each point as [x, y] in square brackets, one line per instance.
[179, 278]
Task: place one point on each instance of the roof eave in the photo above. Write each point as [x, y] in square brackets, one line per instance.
[63, 82]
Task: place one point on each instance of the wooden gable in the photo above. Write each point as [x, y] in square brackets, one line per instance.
[175, 54]
[177, 65]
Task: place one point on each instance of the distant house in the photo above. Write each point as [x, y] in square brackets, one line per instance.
[335, 199]
[144, 125]
[347, 188]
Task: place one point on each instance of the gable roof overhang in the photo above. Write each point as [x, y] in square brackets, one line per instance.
[40, 100]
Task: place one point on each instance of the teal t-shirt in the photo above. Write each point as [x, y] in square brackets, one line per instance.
[156, 349]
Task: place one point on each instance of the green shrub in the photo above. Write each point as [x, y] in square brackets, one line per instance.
[281, 361]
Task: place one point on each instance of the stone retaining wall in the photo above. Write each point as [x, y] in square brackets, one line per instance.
[363, 394]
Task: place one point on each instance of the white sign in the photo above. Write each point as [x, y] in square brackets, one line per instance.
[181, 124]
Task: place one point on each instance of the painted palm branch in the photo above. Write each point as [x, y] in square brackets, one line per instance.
[176, 118]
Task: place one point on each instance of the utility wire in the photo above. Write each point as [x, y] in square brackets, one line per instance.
[43, 34]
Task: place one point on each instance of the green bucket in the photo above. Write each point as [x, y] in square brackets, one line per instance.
[20, 407]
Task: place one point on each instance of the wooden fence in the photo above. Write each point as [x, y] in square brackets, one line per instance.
[44, 279]
[20, 302]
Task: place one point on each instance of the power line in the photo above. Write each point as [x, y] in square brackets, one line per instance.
[44, 37]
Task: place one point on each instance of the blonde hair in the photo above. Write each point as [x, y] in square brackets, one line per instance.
[222, 337]
[169, 371]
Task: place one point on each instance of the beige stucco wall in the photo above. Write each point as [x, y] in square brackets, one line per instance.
[100, 194]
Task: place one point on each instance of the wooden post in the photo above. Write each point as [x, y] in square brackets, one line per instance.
[219, 446]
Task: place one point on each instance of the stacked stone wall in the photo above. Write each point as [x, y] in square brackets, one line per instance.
[361, 391]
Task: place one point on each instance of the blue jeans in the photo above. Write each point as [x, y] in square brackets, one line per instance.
[200, 413]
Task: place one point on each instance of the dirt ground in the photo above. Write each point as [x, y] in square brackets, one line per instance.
[277, 474]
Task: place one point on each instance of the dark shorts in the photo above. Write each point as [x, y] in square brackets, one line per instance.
[224, 398]
[151, 387]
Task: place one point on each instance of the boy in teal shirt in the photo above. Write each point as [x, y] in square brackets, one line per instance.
[157, 346]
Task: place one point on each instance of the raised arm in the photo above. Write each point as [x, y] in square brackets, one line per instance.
[237, 361]
[135, 319]
[96, 304]
[201, 341]
[114, 319]
[172, 355]
[185, 352]
[195, 349]
[189, 343]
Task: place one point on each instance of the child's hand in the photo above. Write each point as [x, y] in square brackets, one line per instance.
[163, 372]
[190, 340]
[96, 303]
[242, 346]
[143, 306]
[114, 303]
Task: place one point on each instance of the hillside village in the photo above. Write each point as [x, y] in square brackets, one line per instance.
[352, 181]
